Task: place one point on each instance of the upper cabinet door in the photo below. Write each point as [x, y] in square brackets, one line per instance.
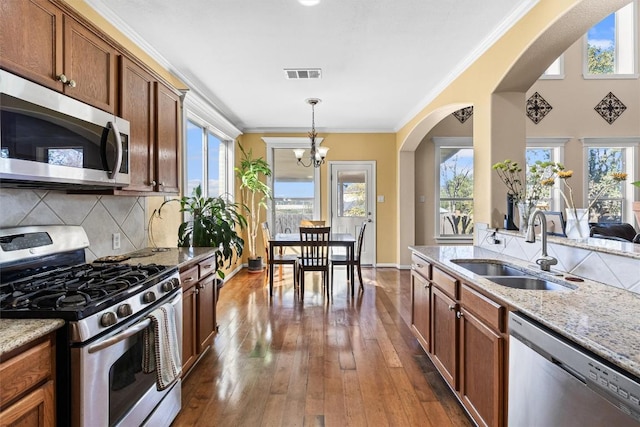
[31, 40]
[168, 119]
[137, 106]
[90, 63]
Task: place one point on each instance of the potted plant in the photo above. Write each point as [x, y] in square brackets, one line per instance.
[212, 222]
[254, 192]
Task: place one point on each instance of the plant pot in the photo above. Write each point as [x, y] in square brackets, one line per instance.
[636, 211]
[255, 265]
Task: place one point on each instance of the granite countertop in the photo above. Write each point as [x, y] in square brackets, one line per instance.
[601, 318]
[179, 257]
[15, 333]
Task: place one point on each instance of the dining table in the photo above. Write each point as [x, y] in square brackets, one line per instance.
[284, 240]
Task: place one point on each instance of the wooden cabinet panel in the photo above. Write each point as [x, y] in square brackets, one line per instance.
[420, 309]
[168, 113]
[137, 106]
[31, 40]
[444, 335]
[91, 63]
[24, 371]
[206, 312]
[421, 266]
[482, 355]
[189, 309]
[490, 312]
[35, 409]
[447, 284]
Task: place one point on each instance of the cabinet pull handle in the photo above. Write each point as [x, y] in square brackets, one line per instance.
[420, 265]
[207, 266]
[452, 307]
[188, 279]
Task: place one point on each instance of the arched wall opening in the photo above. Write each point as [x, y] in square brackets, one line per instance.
[495, 85]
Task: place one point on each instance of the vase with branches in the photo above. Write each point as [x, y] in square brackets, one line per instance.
[252, 174]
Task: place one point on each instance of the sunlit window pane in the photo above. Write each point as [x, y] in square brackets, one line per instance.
[194, 170]
[456, 191]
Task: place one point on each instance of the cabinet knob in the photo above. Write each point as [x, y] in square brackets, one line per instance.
[162, 183]
[452, 307]
[459, 314]
[71, 83]
[63, 79]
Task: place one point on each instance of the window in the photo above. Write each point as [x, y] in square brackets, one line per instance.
[296, 189]
[610, 45]
[609, 200]
[555, 70]
[551, 150]
[206, 161]
[454, 157]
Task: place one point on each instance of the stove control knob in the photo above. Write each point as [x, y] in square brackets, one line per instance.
[108, 319]
[124, 310]
[148, 297]
[170, 285]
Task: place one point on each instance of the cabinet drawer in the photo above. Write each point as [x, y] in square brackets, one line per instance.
[492, 313]
[448, 284]
[207, 266]
[22, 372]
[189, 277]
[421, 266]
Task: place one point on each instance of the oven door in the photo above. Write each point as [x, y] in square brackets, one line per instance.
[109, 387]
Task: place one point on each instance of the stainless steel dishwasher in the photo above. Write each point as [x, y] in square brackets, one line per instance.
[554, 382]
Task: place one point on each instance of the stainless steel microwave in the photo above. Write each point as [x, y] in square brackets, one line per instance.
[50, 140]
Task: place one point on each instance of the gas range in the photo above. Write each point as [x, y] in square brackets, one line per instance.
[111, 313]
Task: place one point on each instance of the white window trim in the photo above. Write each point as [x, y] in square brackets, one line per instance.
[614, 76]
[447, 141]
[560, 75]
[631, 163]
[556, 144]
[291, 143]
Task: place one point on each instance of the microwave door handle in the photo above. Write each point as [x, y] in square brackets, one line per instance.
[116, 168]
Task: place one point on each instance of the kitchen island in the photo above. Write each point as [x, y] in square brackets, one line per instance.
[461, 319]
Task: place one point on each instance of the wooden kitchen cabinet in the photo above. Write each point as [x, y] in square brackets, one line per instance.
[199, 290]
[421, 301]
[42, 43]
[465, 335]
[27, 387]
[153, 111]
[444, 338]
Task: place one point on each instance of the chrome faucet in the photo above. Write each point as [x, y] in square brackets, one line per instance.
[546, 261]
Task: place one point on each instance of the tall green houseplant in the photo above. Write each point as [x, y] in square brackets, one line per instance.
[211, 222]
[254, 191]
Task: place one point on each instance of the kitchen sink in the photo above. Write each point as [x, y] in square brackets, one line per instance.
[530, 283]
[510, 276]
[489, 268]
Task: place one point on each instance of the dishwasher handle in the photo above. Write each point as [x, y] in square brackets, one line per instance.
[569, 370]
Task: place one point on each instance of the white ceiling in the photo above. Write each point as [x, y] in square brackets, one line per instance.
[381, 60]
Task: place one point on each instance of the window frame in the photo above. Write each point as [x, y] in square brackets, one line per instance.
[290, 143]
[557, 146]
[636, 73]
[631, 165]
[560, 75]
[464, 142]
[201, 113]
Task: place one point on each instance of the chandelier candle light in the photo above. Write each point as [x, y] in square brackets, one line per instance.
[317, 155]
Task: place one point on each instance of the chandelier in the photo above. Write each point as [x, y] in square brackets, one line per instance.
[317, 154]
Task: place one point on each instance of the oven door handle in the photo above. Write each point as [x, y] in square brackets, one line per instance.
[137, 328]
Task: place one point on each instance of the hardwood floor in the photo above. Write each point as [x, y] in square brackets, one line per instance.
[353, 361]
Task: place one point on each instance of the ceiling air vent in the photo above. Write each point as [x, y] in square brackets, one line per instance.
[302, 73]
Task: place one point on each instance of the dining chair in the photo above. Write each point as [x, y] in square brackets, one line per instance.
[279, 259]
[343, 259]
[314, 255]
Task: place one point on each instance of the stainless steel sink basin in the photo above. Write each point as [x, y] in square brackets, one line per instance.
[484, 268]
[530, 283]
[510, 276]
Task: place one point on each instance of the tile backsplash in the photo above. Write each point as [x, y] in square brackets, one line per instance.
[100, 216]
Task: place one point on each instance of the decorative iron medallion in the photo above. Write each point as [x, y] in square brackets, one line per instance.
[463, 114]
[537, 108]
[610, 108]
